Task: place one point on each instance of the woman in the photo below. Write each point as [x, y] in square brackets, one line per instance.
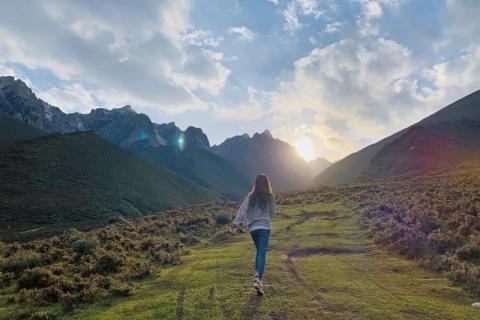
[256, 212]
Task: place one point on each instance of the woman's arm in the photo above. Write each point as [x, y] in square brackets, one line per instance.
[241, 217]
[273, 207]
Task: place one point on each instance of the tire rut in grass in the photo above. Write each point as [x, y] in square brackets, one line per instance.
[251, 309]
[306, 252]
[296, 254]
[180, 300]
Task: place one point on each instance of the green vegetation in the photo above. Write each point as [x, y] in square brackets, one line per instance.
[433, 217]
[57, 275]
[80, 180]
[321, 265]
[430, 216]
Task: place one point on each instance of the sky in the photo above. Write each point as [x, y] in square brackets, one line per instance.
[341, 74]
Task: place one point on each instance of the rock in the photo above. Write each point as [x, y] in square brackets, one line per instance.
[476, 305]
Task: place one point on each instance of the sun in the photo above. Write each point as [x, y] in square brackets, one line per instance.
[305, 148]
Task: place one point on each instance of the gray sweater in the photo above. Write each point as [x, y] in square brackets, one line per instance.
[255, 218]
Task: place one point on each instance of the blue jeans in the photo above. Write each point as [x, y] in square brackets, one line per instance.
[260, 238]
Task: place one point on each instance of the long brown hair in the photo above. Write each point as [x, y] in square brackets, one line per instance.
[261, 192]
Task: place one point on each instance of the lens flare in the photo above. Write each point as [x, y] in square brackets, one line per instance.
[181, 142]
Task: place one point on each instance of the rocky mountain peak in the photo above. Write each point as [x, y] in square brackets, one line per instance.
[196, 137]
[264, 135]
[125, 109]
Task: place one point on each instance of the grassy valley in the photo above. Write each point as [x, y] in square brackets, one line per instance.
[394, 248]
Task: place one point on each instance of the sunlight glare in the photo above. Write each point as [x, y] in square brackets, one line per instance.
[305, 148]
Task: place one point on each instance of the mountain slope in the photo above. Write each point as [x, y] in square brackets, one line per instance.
[318, 165]
[264, 154]
[205, 168]
[426, 148]
[350, 167]
[132, 131]
[13, 130]
[82, 180]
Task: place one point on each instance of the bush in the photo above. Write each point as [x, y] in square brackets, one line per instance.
[137, 270]
[84, 246]
[222, 219]
[224, 234]
[469, 252]
[6, 278]
[108, 263]
[36, 278]
[20, 261]
[121, 290]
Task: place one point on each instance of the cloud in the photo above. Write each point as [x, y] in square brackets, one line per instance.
[202, 38]
[333, 27]
[371, 10]
[7, 71]
[347, 86]
[291, 19]
[243, 33]
[252, 109]
[144, 51]
[309, 8]
[72, 98]
[203, 70]
[296, 8]
[455, 77]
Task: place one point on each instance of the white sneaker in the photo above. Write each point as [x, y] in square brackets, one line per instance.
[258, 285]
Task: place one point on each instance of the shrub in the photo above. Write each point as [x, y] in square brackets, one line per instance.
[224, 234]
[6, 278]
[20, 261]
[137, 270]
[121, 289]
[84, 246]
[469, 252]
[222, 219]
[35, 278]
[108, 263]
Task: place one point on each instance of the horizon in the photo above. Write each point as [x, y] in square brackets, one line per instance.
[329, 78]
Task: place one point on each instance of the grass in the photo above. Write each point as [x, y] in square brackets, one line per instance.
[351, 279]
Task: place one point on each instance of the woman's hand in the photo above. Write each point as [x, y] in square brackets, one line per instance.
[238, 227]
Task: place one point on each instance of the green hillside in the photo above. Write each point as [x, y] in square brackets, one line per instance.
[81, 180]
[205, 168]
[13, 130]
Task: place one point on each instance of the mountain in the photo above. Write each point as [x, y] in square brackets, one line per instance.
[318, 165]
[354, 165]
[185, 152]
[197, 163]
[427, 147]
[13, 130]
[80, 180]
[262, 153]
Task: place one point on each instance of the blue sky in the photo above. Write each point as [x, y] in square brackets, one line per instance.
[340, 73]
